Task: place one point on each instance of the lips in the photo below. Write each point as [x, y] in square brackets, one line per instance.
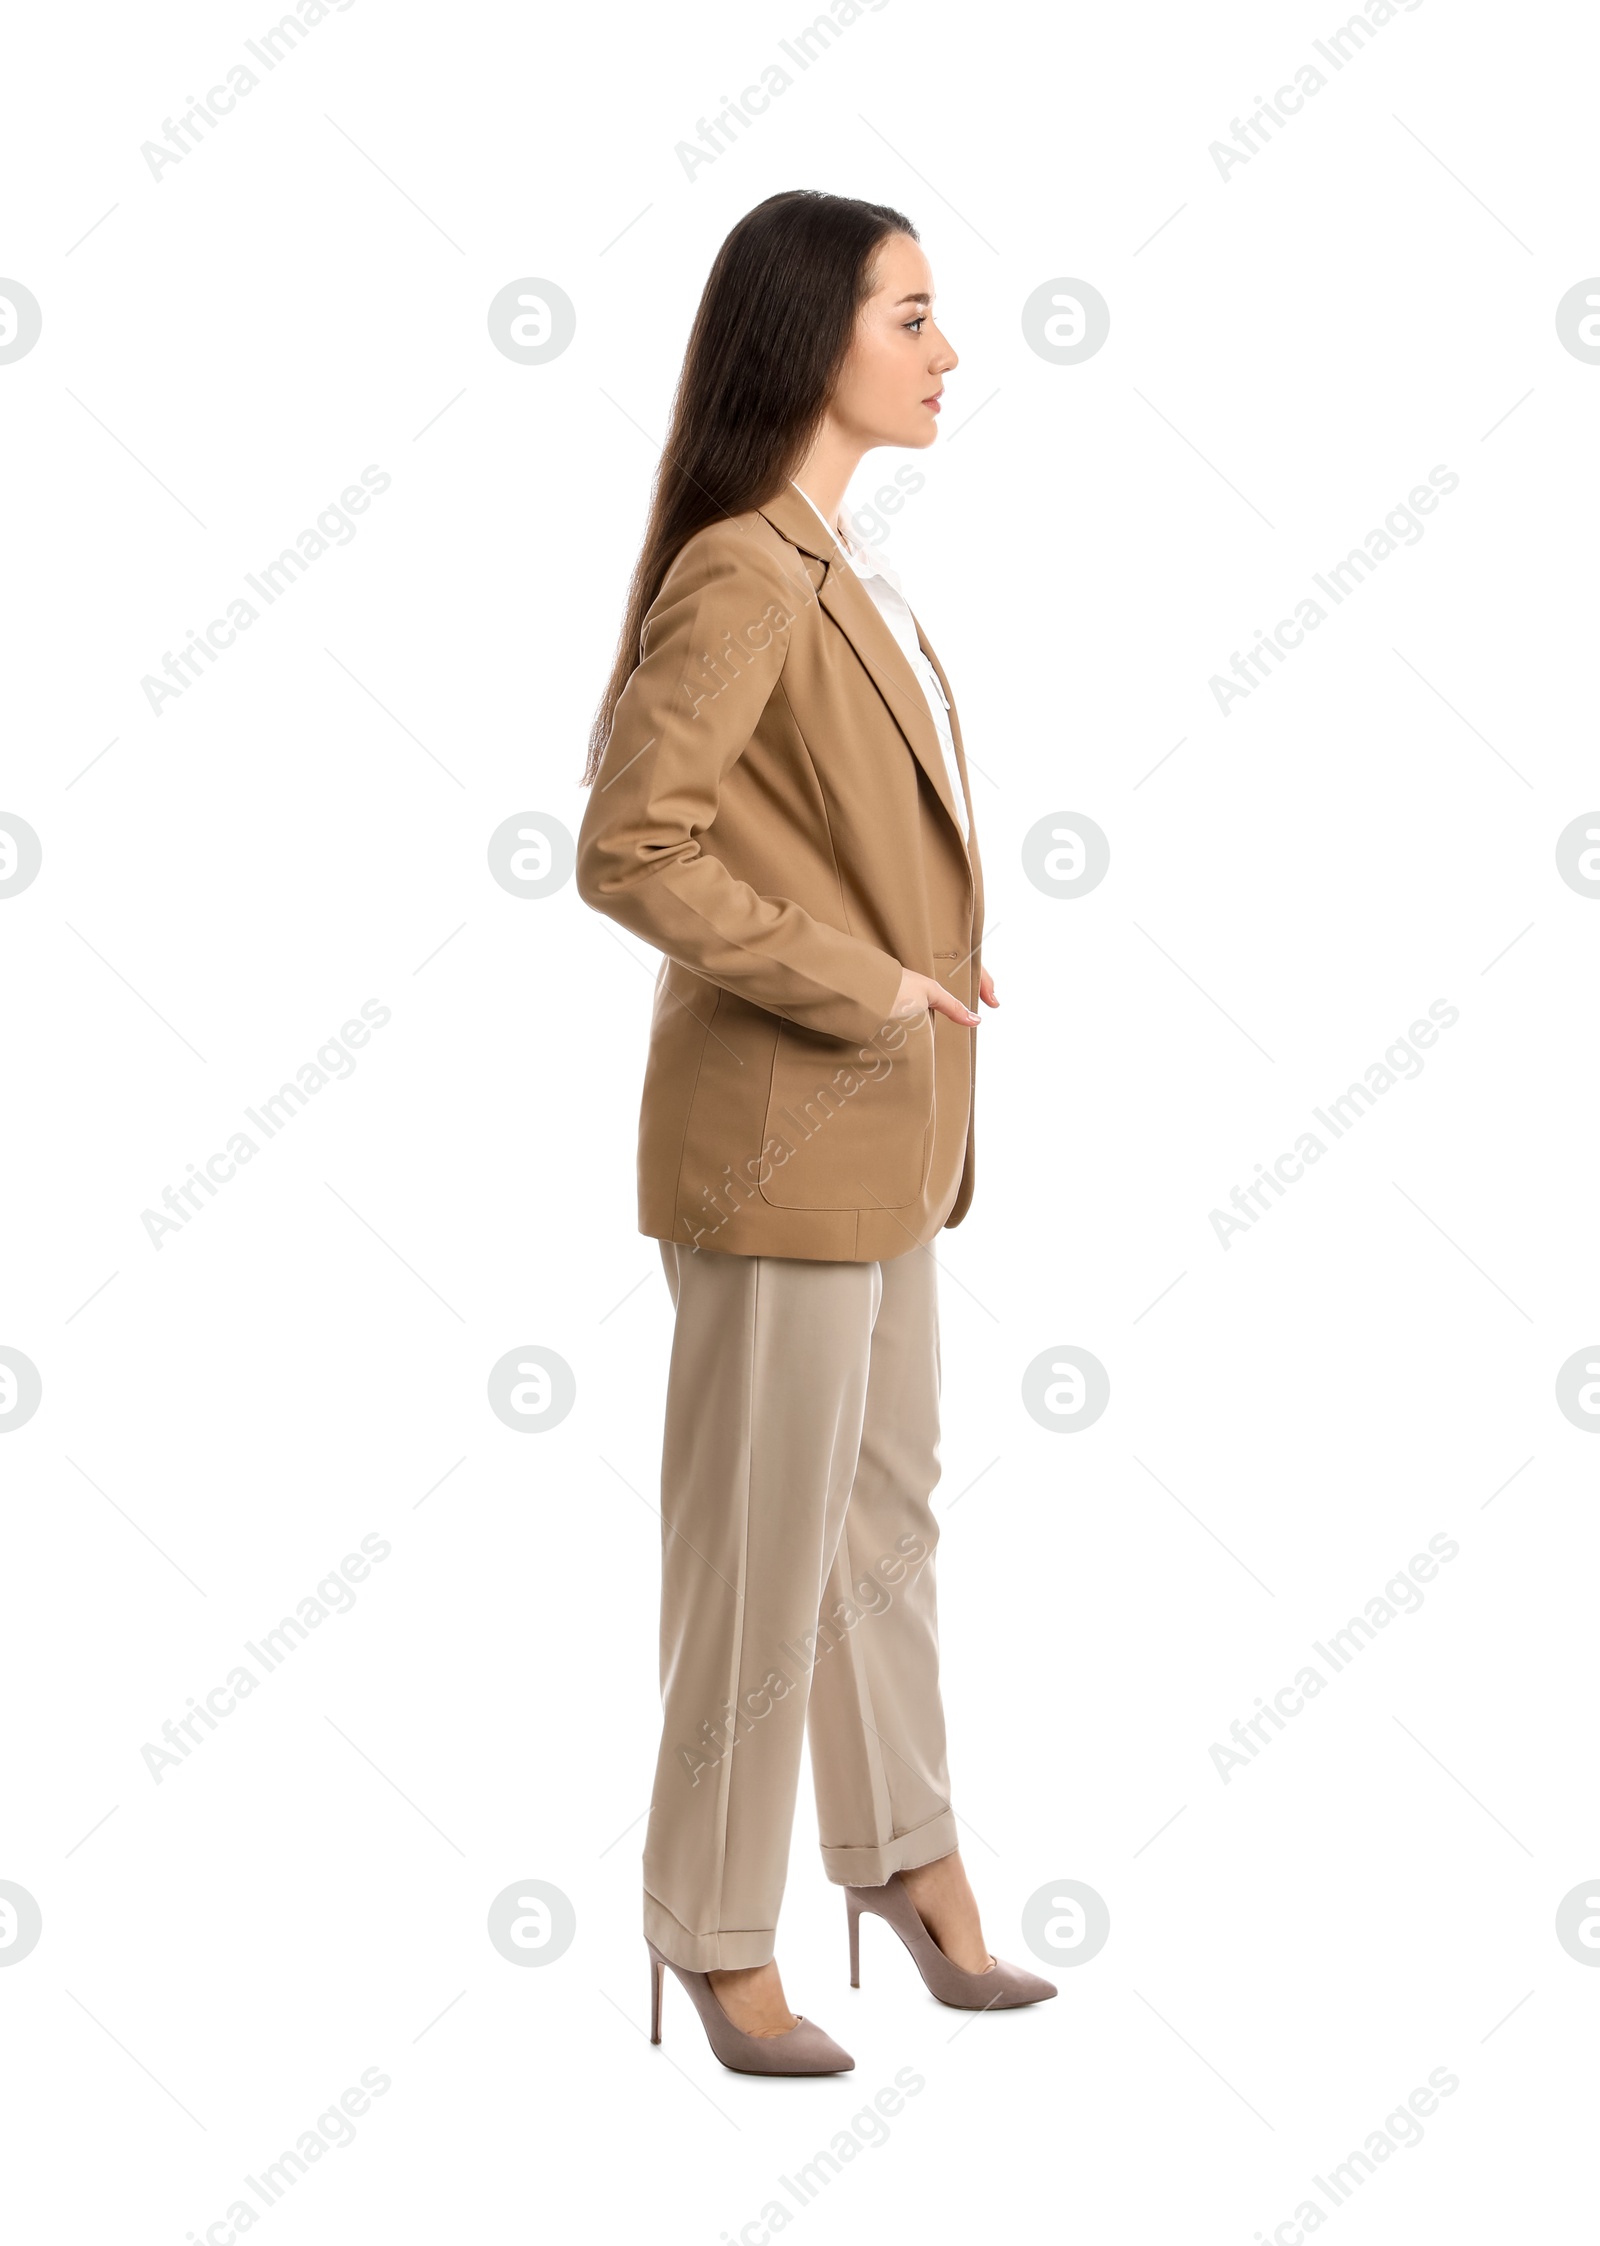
[932, 403]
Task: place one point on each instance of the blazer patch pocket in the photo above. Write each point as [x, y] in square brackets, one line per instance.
[849, 1126]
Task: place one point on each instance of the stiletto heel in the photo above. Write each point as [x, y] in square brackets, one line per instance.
[802, 2049]
[1001, 1989]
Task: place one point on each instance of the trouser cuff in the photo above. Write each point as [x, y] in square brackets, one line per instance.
[707, 1953]
[871, 1866]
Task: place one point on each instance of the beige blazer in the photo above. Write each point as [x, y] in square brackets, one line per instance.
[773, 815]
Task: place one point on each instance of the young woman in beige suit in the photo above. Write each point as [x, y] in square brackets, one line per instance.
[779, 805]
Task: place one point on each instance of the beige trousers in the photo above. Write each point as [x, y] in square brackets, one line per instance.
[797, 1589]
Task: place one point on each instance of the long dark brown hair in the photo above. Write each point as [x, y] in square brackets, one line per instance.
[776, 320]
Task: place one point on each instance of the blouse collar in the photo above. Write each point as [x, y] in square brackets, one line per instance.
[863, 559]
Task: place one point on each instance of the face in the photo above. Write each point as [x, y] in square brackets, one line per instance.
[888, 389]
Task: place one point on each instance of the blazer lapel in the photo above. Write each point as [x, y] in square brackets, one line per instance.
[961, 766]
[855, 612]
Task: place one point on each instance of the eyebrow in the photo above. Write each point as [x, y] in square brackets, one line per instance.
[917, 299]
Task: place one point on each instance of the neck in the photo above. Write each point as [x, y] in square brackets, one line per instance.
[824, 475]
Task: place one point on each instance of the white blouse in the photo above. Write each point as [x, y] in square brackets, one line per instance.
[883, 585]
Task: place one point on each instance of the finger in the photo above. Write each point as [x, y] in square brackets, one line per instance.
[942, 1001]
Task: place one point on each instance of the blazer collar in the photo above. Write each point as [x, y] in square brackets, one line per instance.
[855, 612]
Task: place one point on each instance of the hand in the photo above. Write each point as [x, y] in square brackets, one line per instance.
[920, 994]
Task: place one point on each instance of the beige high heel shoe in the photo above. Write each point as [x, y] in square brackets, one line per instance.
[1001, 1989]
[802, 2049]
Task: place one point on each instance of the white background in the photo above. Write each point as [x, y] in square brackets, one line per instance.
[305, 1361]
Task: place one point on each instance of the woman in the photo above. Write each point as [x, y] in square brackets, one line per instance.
[780, 806]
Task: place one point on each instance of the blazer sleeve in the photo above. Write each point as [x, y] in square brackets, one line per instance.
[677, 734]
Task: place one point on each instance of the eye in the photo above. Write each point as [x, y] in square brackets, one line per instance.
[916, 325]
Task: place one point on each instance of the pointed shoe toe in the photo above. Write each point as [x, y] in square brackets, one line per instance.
[802, 2049]
[809, 2049]
[1018, 1984]
[1003, 1988]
